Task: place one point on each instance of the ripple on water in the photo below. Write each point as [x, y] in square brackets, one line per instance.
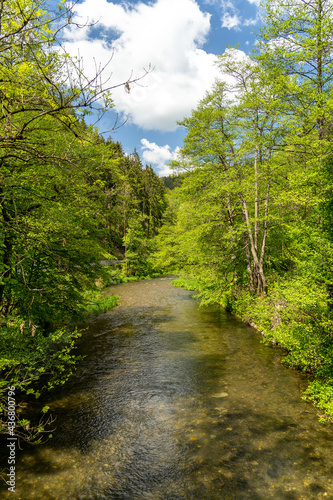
[176, 402]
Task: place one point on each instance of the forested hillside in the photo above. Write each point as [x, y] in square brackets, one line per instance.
[251, 224]
[69, 199]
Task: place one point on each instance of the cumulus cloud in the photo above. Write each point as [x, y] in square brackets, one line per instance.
[167, 35]
[159, 156]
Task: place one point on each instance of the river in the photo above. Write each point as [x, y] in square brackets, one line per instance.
[173, 402]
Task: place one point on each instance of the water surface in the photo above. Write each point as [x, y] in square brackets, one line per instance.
[178, 402]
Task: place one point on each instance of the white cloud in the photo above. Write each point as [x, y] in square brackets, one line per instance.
[232, 18]
[159, 156]
[168, 35]
[251, 22]
[230, 21]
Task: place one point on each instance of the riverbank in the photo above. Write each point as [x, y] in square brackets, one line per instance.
[294, 317]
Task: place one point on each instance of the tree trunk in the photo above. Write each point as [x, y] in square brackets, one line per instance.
[248, 258]
[256, 202]
[264, 237]
[258, 266]
[6, 256]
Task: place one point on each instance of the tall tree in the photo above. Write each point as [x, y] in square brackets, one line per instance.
[51, 193]
[296, 43]
[229, 145]
[42, 94]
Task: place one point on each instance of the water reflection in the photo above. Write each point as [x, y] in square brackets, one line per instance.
[178, 402]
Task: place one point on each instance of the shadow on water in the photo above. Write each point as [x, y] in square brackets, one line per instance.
[178, 402]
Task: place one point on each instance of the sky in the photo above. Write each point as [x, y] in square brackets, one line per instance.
[177, 42]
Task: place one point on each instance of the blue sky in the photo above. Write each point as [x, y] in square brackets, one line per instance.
[180, 40]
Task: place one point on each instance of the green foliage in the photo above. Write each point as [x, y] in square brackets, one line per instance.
[251, 222]
[188, 284]
[28, 356]
[68, 200]
[321, 394]
[94, 302]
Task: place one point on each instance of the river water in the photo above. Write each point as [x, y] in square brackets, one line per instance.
[176, 402]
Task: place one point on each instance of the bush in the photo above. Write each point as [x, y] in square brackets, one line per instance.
[95, 303]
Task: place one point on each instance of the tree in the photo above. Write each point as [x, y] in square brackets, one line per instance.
[297, 40]
[42, 94]
[253, 213]
[229, 147]
[297, 43]
[50, 194]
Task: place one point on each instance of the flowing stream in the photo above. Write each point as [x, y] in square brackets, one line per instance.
[175, 401]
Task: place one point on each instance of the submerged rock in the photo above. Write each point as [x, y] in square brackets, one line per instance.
[221, 395]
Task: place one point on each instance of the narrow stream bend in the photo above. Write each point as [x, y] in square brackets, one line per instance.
[178, 402]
